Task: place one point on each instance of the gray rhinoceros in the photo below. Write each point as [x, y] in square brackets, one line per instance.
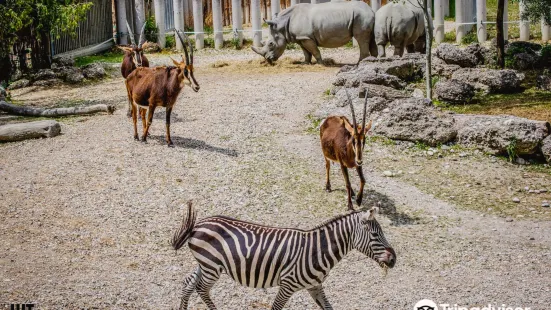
[403, 25]
[331, 24]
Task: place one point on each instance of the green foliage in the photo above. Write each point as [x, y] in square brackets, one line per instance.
[349, 44]
[292, 46]
[314, 124]
[170, 42]
[469, 38]
[512, 149]
[40, 16]
[450, 36]
[208, 30]
[150, 29]
[421, 146]
[536, 10]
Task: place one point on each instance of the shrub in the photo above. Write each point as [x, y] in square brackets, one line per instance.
[449, 36]
[170, 42]
[150, 29]
[469, 38]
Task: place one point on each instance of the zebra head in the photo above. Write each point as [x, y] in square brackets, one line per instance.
[370, 240]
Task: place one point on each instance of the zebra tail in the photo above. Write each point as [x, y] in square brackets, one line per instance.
[188, 222]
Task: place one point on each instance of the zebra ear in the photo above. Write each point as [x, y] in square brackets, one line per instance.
[369, 215]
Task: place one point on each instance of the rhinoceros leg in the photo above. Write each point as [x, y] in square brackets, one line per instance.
[398, 50]
[311, 47]
[307, 56]
[373, 50]
[410, 48]
[382, 52]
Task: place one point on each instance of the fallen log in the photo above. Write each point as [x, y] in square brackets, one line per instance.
[27, 111]
[30, 130]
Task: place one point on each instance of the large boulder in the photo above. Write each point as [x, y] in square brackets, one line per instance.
[495, 133]
[19, 84]
[490, 80]
[94, 71]
[355, 78]
[543, 82]
[478, 51]
[451, 54]
[44, 74]
[546, 148]
[63, 62]
[70, 75]
[525, 61]
[441, 68]
[47, 83]
[3, 93]
[412, 119]
[454, 91]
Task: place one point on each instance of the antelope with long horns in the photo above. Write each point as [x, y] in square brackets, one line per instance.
[133, 54]
[343, 143]
[149, 88]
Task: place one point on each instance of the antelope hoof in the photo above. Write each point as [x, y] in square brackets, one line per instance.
[359, 200]
[144, 139]
[328, 188]
[170, 144]
[136, 138]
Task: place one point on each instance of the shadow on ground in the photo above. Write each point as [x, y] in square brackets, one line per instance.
[387, 207]
[188, 143]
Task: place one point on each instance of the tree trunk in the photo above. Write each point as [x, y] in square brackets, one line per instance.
[500, 40]
[31, 130]
[26, 111]
[428, 43]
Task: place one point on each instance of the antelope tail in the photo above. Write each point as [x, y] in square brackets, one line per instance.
[188, 222]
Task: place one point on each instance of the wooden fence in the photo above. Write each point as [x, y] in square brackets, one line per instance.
[96, 31]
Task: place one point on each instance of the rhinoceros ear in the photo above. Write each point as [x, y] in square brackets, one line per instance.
[270, 23]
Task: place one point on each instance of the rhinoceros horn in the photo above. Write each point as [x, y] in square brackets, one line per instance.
[260, 51]
[270, 23]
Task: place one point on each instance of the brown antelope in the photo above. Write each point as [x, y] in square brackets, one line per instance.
[343, 143]
[149, 88]
[133, 54]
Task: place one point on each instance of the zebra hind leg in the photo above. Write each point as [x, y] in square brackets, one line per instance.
[318, 295]
[205, 282]
[282, 297]
[189, 286]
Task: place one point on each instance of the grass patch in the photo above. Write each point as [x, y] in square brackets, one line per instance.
[532, 104]
[109, 57]
[314, 124]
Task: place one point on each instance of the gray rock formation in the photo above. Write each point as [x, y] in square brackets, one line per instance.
[490, 80]
[452, 54]
[543, 82]
[454, 91]
[494, 133]
[546, 148]
[94, 71]
[43, 74]
[19, 84]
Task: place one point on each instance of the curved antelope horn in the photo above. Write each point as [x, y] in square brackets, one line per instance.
[365, 111]
[185, 47]
[190, 49]
[132, 40]
[142, 36]
[352, 110]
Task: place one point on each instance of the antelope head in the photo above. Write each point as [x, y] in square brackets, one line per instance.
[357, 133]
[186, 65]
[136, 50]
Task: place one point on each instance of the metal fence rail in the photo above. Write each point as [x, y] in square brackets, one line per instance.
[96, 29]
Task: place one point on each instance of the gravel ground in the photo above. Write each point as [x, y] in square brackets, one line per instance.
[87, 216]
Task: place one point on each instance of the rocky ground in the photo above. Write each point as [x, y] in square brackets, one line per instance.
[88, 215]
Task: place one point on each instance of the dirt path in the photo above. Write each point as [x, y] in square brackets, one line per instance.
[87, 216]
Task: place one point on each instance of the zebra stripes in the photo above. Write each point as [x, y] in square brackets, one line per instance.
[260, 256]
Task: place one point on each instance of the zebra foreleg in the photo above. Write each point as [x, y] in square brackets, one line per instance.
[318, 295]
[204, 284]
[282, 297]
[189, 286]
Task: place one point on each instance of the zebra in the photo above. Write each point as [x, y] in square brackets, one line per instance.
[260, 256]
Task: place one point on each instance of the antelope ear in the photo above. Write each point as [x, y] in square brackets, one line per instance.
[368, 126]
[347, 125]
[369, 215]
[124, 48]
[174, 61]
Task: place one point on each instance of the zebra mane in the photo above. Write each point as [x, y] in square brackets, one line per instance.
[334, 219]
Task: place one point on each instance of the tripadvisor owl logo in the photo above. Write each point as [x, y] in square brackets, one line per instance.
[425, 304]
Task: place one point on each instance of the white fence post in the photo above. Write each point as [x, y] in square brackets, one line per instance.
[481, 18]
[198, 24]
[439, 21]
[178, 21]
[217, 25]
[459, 19]
[237, 21]
[524, 24]
[160, 22]
[139, 18]
[275, 6]
[256, 23]
[545, 31]
[122, 30]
